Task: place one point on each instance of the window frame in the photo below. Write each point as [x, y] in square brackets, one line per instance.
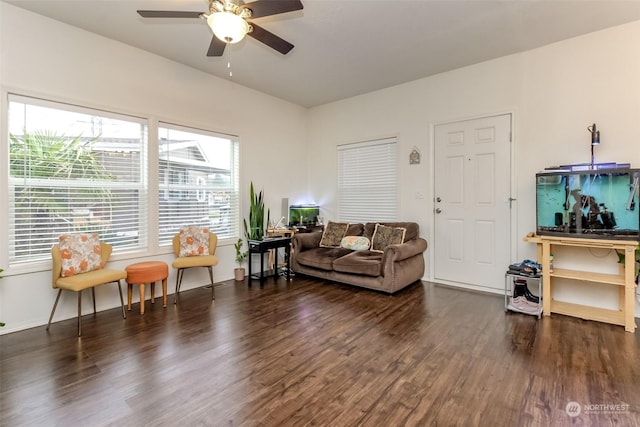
[150, 159]
[233, 187]
[370, 151]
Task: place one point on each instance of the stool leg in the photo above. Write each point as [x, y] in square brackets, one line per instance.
[153, 292]
[129, 295]
[141, 285]
[164, 292]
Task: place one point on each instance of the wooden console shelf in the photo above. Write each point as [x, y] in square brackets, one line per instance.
[624, 280]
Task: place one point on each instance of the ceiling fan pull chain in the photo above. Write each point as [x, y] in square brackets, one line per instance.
[229, 59]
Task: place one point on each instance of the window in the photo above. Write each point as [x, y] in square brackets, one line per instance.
[367, 181]
[72, 169]
[198, 181]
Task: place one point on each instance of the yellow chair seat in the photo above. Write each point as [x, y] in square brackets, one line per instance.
[195, 261]
[83, 281]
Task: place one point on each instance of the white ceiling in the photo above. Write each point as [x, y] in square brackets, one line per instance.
[348, 47]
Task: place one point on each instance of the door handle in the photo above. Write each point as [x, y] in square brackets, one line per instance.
[438, 210]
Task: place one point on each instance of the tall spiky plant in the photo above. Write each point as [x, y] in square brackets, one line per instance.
[254, 230]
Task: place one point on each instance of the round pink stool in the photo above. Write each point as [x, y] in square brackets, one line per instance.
[145, 272]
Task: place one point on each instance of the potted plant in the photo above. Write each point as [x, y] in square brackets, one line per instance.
[255, 228]
[240, 258]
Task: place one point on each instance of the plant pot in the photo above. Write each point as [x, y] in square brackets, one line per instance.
[239, 273]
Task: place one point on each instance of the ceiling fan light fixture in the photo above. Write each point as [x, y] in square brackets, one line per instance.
[228, 27]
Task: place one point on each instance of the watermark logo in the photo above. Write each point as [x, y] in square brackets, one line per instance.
[573, 409]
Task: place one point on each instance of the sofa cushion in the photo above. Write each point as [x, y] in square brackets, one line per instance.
[355, 230]
[384, 236]
[355, 243]
[333, 234]
[321, 258]
[413, 230]
[366, 263]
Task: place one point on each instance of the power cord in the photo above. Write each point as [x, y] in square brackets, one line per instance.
[637, 284]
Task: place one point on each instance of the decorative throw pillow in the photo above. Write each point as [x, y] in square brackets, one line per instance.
[355, 243]
[384, 236]
[80, 253]
[333, 234]
[194, 241]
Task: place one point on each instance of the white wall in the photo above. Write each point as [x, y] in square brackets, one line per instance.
[555, 92]
[45, 58]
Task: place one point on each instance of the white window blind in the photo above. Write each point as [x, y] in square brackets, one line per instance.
[198, 181]
[367, 181]
[73, 169]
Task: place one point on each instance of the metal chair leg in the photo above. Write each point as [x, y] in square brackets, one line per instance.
[213, 295]
[79, 313]
[55, 304]
[180, 275]
[124, 313]
[178, 284]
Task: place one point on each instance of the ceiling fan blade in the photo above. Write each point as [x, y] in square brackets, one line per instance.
[270, 39]
[216, 48]
[263, 8]
[168, 14]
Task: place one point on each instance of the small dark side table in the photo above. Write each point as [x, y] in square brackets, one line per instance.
[263, 246]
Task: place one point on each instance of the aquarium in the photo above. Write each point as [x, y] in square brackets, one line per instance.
[303, 215]
[588, 203]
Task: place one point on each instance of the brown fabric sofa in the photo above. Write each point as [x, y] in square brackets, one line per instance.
[397, 267]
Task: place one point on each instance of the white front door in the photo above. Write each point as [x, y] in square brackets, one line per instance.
[472, 202]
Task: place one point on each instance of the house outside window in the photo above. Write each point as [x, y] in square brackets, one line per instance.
[198, 181]
[73, 169]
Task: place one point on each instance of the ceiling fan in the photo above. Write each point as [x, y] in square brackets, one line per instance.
[228, 21]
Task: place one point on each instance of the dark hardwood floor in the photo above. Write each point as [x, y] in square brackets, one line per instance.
[312, 353]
